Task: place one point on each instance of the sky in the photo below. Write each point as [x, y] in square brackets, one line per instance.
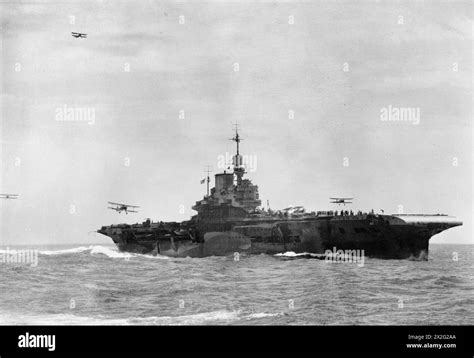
[162, 83]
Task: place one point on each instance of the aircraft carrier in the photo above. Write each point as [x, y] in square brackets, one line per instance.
[230, 219]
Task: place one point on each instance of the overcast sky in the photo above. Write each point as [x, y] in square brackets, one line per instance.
[311, 83]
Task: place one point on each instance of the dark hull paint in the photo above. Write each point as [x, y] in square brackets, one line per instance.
[381, 236]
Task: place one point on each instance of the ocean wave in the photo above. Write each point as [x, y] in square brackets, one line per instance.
[74, 250]
[448, 281]
[197, 318]
[292, 254]
[192, 319]
[57, 319]
[422, 256]
[109, 252]
[99, 250]
[263, 315]
[113, 253]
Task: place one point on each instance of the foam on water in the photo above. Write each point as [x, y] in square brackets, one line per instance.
[291, 254]
[198, 318]
[301, 254]
[192, 319]
[74, 250]
[114, 253]
[263, 315]
[106, 251]
[98, 250]
[57, 319]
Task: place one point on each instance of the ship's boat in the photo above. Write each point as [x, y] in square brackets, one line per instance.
[230, 220]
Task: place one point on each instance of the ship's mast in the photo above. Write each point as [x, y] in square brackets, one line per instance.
[208, 179]
[239, 170]
[236, 138]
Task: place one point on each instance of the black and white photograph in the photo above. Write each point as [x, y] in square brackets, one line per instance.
[236, 163]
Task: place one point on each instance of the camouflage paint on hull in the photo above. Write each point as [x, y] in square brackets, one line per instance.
[382, 236]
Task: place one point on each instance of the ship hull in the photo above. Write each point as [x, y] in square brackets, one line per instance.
[380, 236]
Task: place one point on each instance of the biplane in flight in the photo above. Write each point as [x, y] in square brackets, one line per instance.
[119, 207]
[8, 196]
[78, 35]
[339, 201]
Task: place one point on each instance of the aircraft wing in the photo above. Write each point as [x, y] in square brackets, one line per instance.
[121, 204]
